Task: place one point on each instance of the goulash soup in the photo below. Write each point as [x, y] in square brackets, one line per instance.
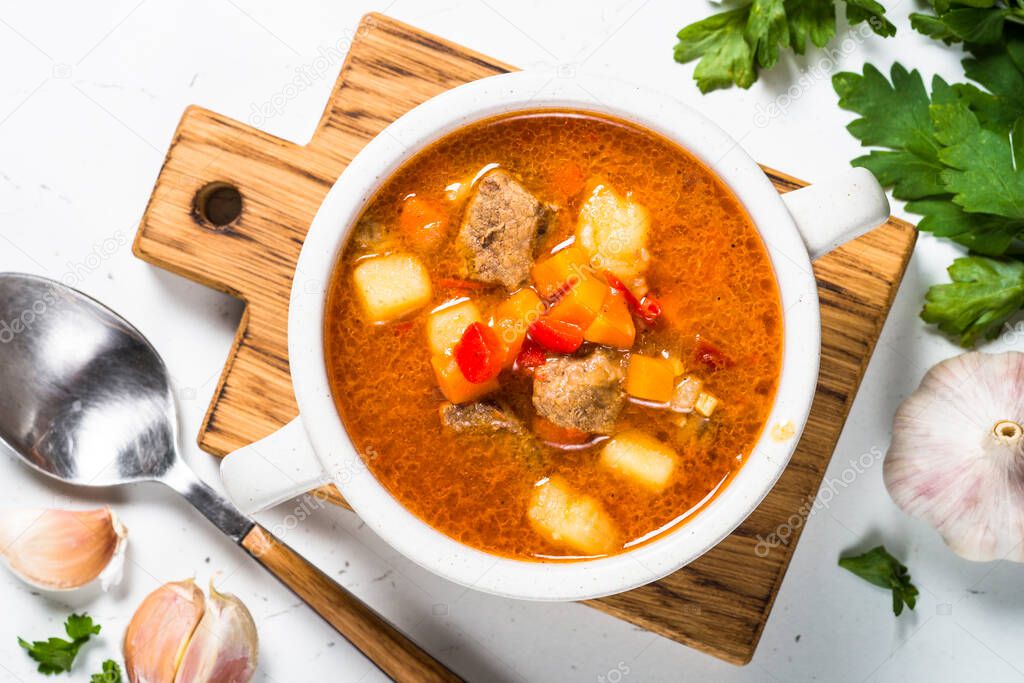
[553, 335]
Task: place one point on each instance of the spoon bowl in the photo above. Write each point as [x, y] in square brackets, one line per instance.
[86, 398]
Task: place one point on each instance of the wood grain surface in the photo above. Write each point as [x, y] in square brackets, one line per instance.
[387, 647]
[718, 604]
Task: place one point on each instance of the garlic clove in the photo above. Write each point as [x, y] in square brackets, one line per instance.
[957, 455]
[159, 632]
[224, 647]
[63, 549]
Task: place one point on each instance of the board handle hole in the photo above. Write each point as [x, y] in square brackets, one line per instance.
[218, 204]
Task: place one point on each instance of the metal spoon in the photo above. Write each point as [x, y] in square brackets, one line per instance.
[85, 398]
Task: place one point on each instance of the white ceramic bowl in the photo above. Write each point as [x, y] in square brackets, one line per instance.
[315, 448]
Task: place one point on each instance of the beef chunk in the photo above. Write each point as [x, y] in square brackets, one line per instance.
[479, 417]
[499, 231]
[580, 393]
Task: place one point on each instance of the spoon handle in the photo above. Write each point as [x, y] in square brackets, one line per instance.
[387, 647]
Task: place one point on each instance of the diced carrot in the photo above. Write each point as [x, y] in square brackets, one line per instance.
[423, 223]
[613, 325]
[581, 302]
[455, 387]
[652, 379]
[559, 270]
[552, 433]
[568, 179]
[513, 317]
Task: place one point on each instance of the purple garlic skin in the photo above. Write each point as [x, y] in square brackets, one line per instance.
[957, 455]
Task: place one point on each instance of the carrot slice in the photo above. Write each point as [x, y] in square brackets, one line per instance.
[423, 223]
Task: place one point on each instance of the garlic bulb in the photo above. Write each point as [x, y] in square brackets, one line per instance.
[63, 549]
[957, 455]
[177, 636]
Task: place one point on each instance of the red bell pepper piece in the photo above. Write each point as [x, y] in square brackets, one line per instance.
[557, 335]
[710, 355]
[531, 355]
[479, 354]
[647, 308]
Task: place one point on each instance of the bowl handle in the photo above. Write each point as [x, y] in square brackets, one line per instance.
[837, 210]
[272, 470]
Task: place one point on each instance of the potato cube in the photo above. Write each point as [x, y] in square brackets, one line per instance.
[447, 323]
[454, 385]
[566, 517]
[640, 458]
[391, 286]
[649, 378]
[688, 390]
[613, 231]
[706, 404]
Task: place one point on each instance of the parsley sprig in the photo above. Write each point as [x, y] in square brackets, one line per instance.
[111, 673]
[970, 21]
[732, 45]
[880, 568]
[957, 155]
[56, 655]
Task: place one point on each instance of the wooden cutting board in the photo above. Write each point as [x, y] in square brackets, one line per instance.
[718, 604]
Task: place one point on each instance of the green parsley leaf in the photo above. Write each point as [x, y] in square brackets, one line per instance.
[80, 626]
[871, 12]
[733, 44]
[958, 153]
[111, 673]
[1000, 70]
[767, 30]
[56, 655]
[726, 57]
[969, 21]
[982, 233]
[810, 20]
[982, 174]
[896, 116]
[932, 26]
[983, 294]
[880, 568]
